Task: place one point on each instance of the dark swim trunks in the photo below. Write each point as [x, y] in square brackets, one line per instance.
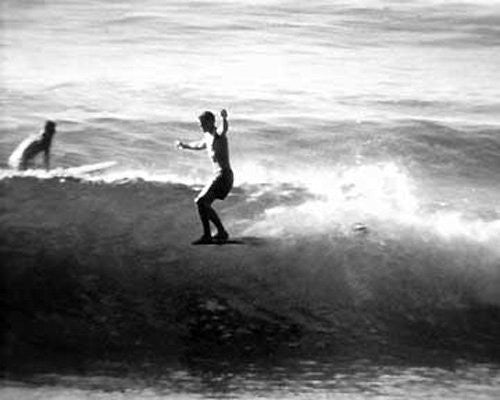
[219, 187]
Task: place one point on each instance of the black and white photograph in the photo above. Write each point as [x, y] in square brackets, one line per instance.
[250, 199]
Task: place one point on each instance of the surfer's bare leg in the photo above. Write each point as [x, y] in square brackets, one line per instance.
[205, 221]
[212, 216]
[207, 215]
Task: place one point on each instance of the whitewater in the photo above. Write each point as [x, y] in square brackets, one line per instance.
[365, 142]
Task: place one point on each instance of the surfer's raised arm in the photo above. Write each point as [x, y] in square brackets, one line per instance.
[198, 145]
[225, 125]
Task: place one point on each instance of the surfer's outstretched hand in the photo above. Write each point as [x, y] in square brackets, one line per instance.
[223, 113]
[179, 144]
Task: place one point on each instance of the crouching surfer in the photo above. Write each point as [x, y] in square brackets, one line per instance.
[219, 187]
[23, 156]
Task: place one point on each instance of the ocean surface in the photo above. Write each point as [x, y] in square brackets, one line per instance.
[365, 143]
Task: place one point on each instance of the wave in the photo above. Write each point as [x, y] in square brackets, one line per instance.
[94, 267]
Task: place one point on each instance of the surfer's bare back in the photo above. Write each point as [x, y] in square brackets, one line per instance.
[24, 154]
[222, 182]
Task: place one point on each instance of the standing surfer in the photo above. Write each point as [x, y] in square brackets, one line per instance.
[222, 182]
[24, 154]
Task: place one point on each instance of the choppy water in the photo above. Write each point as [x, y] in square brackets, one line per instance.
[380, 113]
[304, 380]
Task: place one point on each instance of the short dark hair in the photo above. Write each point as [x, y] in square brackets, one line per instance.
[207, 117]
[50, 124]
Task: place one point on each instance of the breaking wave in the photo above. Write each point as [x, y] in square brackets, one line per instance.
[105, 264]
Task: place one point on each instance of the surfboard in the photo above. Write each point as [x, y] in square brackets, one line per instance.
[89, 168]
[219, 242]
[245, 240]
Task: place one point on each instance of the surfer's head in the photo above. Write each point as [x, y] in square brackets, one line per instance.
[207, 121]
[50, 127]
[49, 131]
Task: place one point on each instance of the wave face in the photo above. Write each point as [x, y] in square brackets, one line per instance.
[95, 267]
[365, 141]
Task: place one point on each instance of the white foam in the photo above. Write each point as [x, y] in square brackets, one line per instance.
[382, 196]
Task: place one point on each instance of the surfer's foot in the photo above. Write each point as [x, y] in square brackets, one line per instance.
[221, 236]
[203, 240]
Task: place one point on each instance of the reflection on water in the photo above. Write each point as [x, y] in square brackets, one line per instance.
[293, 379]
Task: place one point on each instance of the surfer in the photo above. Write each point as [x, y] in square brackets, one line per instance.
[222, 182]
[24, 154]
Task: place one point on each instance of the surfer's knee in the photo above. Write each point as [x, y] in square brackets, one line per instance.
[203, 201]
